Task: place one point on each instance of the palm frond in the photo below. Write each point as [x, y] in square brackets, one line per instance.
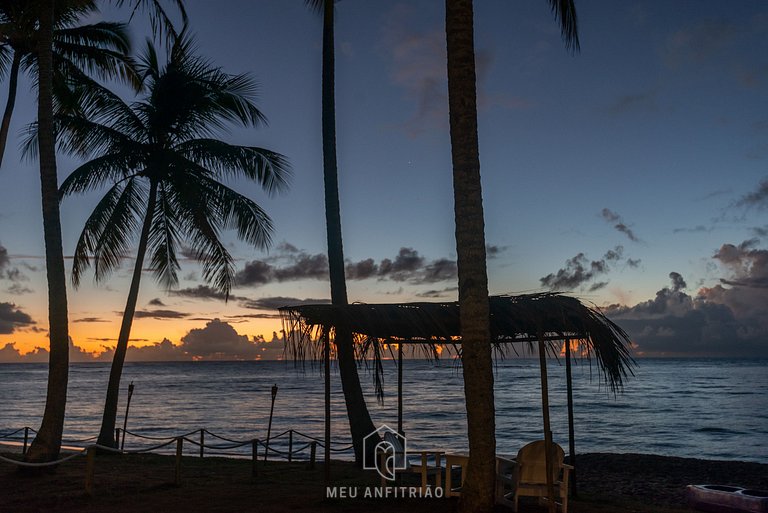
[163, 240]
[565, 12]
[270, 169]
[107, 231]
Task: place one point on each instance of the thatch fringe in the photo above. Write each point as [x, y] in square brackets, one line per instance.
[520, 319]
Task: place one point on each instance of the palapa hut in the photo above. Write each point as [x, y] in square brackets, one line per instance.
[549, 320]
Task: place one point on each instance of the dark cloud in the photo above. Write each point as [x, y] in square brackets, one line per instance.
[437, 271]
[201, 292]
[579, 271]
[254, 273]
[90, 319]
[304, 267]
[696, 229]
[159, 314]
[699, 42]
[13, 274]
[156, 302]
[292, 264]
[729, 319]
[760, 231]
[12, 318]
[633, 262]
[645, 101]
[757, 198]
[492, 251]
[218, 341]
[362, 270]
[439, 294]
[239, 318]
[273, 303]
[678, 283]
[618, 223]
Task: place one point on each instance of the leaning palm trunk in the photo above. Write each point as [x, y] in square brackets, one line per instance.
[360, 424]
[107, 432]
[13, 79]
[47, 443]
[478, 491]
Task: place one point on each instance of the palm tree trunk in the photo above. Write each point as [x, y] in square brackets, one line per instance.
[13, 79]
[360, 424]
[478, 491]
[107, 432]
[47, 443]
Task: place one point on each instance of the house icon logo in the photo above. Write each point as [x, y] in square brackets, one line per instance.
[389, 450]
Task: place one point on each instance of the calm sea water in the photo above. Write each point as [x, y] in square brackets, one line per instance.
[706, 408]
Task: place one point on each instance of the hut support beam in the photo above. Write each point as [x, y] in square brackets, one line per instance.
[571, 438]
[400, 389]
[547, 431]
[327, 369]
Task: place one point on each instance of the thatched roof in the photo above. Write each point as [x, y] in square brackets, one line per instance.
[514, 319]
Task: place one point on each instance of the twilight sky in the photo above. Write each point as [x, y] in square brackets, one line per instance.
[632, 175]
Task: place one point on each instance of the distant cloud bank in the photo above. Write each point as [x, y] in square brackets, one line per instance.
[218, 340]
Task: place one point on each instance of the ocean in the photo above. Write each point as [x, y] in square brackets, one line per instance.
[703, 408]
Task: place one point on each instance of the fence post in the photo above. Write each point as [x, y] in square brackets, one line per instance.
[202, 442]
[179, 450]
[117, 437]
[312, 453]
[90, 464]
[254, 457]
[290, 445]
[26, 440]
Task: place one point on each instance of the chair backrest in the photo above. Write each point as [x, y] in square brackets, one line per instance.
[397, 445]
[532, 462]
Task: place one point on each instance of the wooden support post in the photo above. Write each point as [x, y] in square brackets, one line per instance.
[26, 440]
[547, 431]
[312, 455]
[290, 445]
[254, 457]
[117, 438]
[202, 442]
[400, 389]
[90, 464]
[571, 438]
[179, 451]
[327, 365]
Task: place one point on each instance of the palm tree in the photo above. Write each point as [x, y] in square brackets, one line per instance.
[360, 424]
[47, 442]
[100, 49]
[164, 165]
[478, 490]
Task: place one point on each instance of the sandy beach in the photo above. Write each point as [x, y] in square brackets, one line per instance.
[145, 483]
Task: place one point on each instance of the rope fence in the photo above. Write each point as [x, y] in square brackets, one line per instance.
[297, 444]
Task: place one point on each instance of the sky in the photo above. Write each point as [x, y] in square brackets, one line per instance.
[631, 175]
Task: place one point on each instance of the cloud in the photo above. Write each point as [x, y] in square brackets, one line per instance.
[12, 318]
[273, 303]
[696, 229]
[439, 294]
[579, 271]
[218, 340]
[618, 224]
[199, 292]
[90, 319]
[757, 198]
[159, 314]
[13, 274]
[292, 264]
[9, 354]
[729, 319]
[156, 302]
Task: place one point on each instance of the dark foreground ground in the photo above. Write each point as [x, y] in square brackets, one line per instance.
[145, 483]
